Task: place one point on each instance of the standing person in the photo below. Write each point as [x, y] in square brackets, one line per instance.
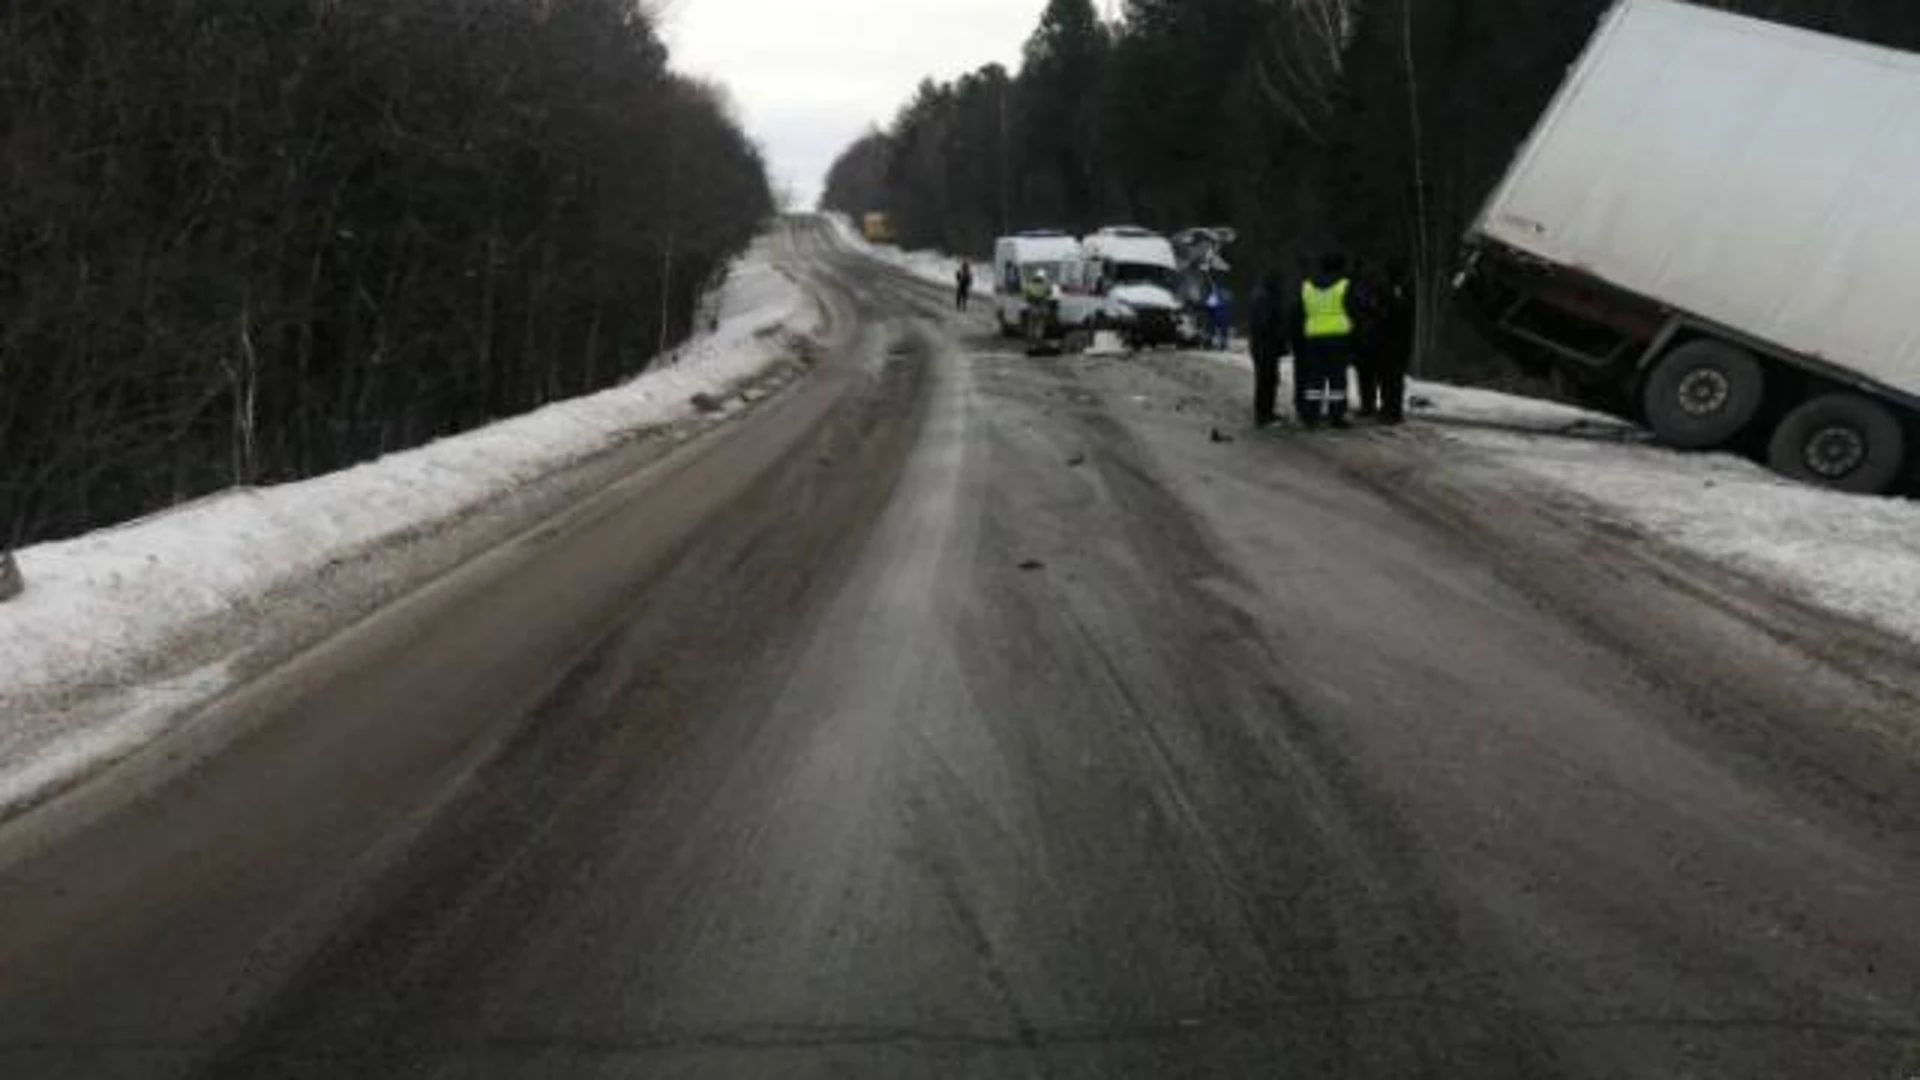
[1219, 318]
[1391, 340]
[1040, 299]
[1322, 325]
[1268, 339]
[963, 284]
[1366, 350]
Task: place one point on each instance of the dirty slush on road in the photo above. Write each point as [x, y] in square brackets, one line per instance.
[1098, 747]
[1033, 717]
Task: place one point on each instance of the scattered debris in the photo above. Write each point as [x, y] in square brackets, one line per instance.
[1033, 564]
[1076, 461]
[1418, 402]
[1219, 436]
[707, 403]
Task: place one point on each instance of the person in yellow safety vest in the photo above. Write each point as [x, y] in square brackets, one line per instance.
[1039, 288]
[1323, 330]
[1039, 296]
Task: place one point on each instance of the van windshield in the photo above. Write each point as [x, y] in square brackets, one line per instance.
[1145, 274]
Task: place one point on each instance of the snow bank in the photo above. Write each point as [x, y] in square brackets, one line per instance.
[91, 669]
[1470, 407]
[929, 266]
[1467, 407]
[1856, 555]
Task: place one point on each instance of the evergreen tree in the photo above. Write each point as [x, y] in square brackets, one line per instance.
[857, 183]
[247, 241]
[1055, 122]
[1374, 125]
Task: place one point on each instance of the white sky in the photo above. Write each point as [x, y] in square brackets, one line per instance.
[810, 76]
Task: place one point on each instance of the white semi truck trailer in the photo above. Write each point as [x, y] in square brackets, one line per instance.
[1715, 229]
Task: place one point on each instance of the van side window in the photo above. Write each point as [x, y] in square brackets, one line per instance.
[1011, 283]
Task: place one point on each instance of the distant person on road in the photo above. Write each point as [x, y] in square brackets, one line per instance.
[1268, 338]
[963, 285]
[1322, 326]
[1219, 317]
[1387, 346]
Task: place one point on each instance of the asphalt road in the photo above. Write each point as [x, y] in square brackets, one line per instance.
[968, 715]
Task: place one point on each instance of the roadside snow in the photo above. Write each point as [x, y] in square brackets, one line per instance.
[1854, 555]
[115, 727]
[1468, 407]
[91, 667]
[928, 266]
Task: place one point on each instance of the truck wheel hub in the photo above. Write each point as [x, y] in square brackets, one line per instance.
[1836, 451]
[1705, 392]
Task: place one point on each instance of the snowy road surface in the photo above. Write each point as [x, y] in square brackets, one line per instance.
[966, 715]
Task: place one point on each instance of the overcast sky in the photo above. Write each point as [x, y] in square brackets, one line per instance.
[811, 75]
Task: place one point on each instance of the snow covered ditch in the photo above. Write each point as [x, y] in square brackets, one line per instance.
[1855, 555]
[121, 631]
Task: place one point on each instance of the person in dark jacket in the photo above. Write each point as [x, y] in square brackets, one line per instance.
[1267, 336]
[1387, 349]
[1323, 325]
[963, 285]
[1219, 318]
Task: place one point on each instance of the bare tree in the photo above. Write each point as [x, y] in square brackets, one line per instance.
[246, 241]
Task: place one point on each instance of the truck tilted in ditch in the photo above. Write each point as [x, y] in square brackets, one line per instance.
[1715, 230]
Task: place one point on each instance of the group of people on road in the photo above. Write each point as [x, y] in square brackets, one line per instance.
[1332, 326]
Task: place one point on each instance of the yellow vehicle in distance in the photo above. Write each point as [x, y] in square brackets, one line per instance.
[877, 228]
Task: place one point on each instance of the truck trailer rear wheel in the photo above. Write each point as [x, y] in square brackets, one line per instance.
[1704, 393]
[1841, 441]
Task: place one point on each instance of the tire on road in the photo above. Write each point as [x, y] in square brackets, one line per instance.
[1841, 441]
[1703, 394]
